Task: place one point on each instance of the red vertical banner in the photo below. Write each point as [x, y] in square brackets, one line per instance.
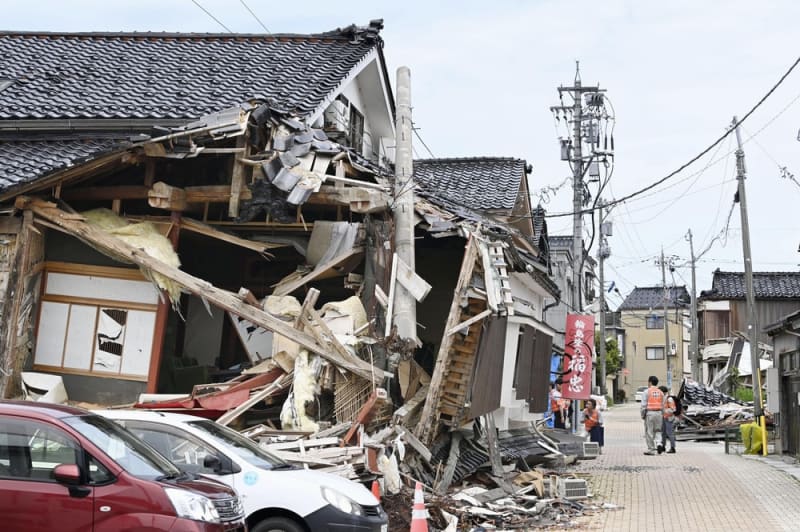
[578, 347]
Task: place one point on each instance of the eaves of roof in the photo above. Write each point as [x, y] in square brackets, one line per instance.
[168, 76]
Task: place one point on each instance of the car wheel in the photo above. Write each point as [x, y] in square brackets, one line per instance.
[277, 524]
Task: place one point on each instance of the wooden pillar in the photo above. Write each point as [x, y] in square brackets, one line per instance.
[162, 315]
[15, 290]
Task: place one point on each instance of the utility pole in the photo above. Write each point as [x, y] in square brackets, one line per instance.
[694, 350]
[405, 306]
[603, 252]
[572, 151]
[666, 319]
[752, 318]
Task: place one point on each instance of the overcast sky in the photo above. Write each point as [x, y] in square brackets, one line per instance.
[484, 75]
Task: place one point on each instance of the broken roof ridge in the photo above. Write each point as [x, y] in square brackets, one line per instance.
[469, 159]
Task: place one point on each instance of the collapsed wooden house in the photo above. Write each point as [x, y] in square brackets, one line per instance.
[163, 194]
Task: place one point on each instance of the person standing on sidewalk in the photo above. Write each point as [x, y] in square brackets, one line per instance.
[593, 421]
[668, 425]
[652, 414]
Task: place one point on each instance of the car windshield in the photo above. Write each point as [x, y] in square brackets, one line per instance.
[244, 447]
[132, 454]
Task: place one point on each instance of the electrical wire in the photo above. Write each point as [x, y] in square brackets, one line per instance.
[255, 16]
[207, 12]
[696, 157]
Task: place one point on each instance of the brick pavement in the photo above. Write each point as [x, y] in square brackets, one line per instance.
[698, 488]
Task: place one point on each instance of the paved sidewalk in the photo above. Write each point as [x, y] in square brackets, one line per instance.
[698, 488]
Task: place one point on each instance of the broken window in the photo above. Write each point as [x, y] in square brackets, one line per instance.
[99, 321]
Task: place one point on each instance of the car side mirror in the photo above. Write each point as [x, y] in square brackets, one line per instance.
[68, 474]
[212, 462]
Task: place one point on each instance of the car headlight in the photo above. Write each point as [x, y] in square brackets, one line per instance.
[342, 502]
[192, 505]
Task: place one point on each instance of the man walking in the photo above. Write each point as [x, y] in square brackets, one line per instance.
[652, 414]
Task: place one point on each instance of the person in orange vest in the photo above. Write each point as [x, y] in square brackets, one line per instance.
[593, 421]
[668, 425]
[652, 414]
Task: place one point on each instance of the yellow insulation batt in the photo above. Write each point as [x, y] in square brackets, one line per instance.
[146, 237]
[293, 413]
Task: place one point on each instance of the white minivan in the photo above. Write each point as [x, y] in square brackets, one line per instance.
[277, 496]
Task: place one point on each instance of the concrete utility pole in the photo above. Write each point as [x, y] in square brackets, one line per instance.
[572, 151]
[694, 350]
[752, 317]
[666, 319]
[405, 306]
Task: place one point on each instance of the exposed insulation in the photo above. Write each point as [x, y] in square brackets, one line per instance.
[283, 306]
[351, 307]
[293, 413]
[143, 236]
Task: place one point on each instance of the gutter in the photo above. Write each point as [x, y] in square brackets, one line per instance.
[91, 124]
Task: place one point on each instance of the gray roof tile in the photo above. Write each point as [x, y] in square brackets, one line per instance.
[652, 297]
[481, 183]
[766, 285]
[176, 76]
[25, 161]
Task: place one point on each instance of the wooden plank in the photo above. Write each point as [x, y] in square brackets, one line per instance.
[221, 298]
[417, 445]
[390, 302]
[281, 382]
[416, 285]
[124, 192]
[207, 230]
[494, 453]
[238, 175]
[452, 462]
[426, 430]
[282, 289]
[469, 322]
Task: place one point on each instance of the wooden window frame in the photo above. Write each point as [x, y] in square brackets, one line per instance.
[99, 303]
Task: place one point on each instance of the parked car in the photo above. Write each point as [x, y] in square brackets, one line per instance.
[640, 392]
[277, 496]
[65, 469]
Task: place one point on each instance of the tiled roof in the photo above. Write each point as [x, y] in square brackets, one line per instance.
[560, 241]
[480, 183]
[171, 76]
[24, 161]
[652, 297]
[766, 285]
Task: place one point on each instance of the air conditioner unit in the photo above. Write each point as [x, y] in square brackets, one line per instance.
[591, 449]
[573, 488]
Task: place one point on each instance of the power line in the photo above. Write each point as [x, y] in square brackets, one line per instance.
[696, 157]
[207, 12]
[416, 132]
[255, 17]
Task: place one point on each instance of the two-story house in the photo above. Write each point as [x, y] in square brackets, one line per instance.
[642, 316]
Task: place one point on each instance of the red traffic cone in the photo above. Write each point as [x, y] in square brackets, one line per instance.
[376, 490]
[419, 515]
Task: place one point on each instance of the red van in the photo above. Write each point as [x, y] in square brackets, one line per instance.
[62, 468]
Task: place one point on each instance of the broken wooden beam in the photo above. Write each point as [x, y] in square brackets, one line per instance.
[466, 323]
[364, 415]
[321, 271]
[278, 384]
